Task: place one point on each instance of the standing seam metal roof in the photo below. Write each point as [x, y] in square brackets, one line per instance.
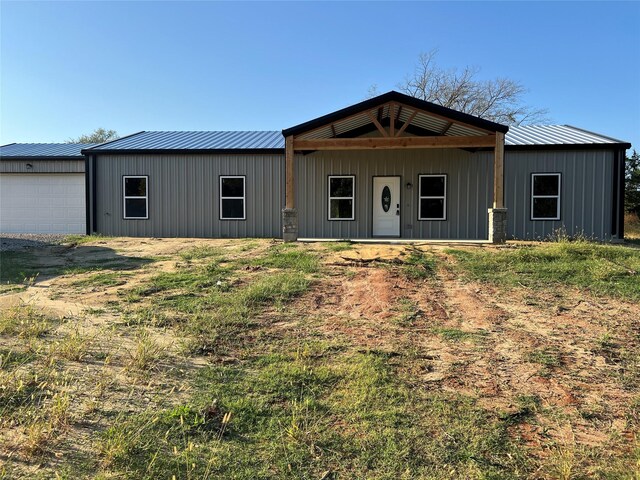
[530, 135]
[65, 150]
[554, 135]
[219, 140]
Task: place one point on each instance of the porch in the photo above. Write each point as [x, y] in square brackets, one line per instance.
[395, 167]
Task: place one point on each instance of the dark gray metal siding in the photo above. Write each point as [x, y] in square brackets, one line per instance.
[184, 195]
[469, 191]
[586, 203]
[42, 166]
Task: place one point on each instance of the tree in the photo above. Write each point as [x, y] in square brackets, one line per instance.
[99, 135]
[498, 100]
[632, 184]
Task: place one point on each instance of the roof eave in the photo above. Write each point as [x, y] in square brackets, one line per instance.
[187, 151]
[571, 146]
[22, 158]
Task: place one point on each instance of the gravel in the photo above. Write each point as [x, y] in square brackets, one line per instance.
[11, 242]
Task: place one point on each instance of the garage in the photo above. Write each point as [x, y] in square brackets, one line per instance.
[42, 203]
[42, 188]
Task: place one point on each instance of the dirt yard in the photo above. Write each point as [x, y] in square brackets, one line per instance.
[116, 328]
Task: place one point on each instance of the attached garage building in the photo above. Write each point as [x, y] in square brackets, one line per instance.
[42, 188]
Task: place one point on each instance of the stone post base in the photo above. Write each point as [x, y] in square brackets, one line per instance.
[497, 225]
[289, 225]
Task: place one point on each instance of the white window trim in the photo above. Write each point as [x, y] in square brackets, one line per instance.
[437, 197]
[352, 198]
[243, 197]
[136, 197]
[533, 197]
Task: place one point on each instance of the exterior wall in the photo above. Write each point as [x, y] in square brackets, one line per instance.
[41, 166]
[586, 192]
[469, 191]
[184, 197]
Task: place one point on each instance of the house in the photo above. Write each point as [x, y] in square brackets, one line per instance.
[389, 167]
[42, 188]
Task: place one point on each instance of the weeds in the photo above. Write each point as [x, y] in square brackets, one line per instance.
[606, 270]
[418, 265]
[146, 354]
[25, 321]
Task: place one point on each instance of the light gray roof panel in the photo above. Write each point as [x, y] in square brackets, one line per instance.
[554, 135]
[65, 150]
[249, 140]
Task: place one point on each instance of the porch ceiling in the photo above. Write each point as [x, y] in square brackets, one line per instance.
[435, 125]
[394, 115]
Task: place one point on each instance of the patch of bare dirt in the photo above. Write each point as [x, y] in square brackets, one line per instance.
[504, 348]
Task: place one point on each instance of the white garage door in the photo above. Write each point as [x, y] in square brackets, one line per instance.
[38, 203]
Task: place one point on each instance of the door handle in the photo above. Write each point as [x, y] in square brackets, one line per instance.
[398, 209]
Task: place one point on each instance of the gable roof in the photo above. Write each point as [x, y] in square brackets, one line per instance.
[44, 150]
[197, 142]
[423, 106]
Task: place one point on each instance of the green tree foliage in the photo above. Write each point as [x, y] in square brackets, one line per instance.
[99, 135]
[632, 184]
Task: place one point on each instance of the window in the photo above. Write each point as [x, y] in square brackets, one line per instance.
[232, 198]
[545, 196]
[136, 197]
[342, 192]
[432, 197]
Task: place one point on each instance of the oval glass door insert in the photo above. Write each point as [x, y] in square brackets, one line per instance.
[386, 198]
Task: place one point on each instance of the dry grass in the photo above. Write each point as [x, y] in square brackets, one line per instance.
[251, 359]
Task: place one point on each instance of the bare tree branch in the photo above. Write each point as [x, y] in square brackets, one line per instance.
[498, 100]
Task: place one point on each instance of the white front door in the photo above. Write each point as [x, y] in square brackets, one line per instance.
[386, 206]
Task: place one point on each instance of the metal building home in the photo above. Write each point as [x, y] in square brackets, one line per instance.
[389, 167]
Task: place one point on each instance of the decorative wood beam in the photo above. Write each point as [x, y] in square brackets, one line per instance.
[392, 120]
[377, 124]
[406, 124]
[290, 201]
[333, 130]
[395, 142]
[498, 171]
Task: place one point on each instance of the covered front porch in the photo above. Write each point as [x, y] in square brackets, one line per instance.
[395, 167]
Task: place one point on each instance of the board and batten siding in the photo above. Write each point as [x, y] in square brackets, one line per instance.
[41, 166]
[469, 192]
[586, 192]
[184, 199]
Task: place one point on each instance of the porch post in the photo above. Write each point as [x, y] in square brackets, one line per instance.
[498, 214]
[289, 214]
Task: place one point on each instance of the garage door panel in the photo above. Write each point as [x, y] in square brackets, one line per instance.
[38, 203]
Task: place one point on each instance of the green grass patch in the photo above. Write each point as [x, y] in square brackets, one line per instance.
[338, 246]
[607, 270]
[548, 357]
[18, 267]
[457, 335]
[288, 257]
[289, 415]
[419, 265]
[201, 252]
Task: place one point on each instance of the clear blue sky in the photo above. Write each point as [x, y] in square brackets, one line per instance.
[70, 67]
